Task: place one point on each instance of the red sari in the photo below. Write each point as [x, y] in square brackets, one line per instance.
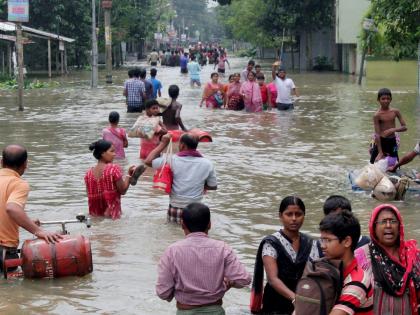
[103, 196]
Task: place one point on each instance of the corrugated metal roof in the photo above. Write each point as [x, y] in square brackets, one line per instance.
[11, 27]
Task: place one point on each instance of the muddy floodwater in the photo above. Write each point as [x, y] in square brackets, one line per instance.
[259, 159]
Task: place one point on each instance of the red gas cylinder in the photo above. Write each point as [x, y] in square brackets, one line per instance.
[202, 136]
[72, 256]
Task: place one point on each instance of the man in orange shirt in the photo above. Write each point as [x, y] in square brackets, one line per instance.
[13, 196]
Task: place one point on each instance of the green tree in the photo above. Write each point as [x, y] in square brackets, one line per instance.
[401, 23]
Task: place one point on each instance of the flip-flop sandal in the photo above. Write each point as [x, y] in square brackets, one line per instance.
[136, 174]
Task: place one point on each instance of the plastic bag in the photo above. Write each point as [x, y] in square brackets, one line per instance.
[145, 127]
[369, 177]
[384, 190]
[163, 177]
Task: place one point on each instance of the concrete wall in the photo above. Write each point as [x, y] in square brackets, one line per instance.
[349, 16]
[323, 44]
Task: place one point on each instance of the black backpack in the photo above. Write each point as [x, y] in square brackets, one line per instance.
[319, 288]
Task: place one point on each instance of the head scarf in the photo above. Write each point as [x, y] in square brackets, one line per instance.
[395, 276]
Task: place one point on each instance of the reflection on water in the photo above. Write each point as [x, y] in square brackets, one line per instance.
[259, 158]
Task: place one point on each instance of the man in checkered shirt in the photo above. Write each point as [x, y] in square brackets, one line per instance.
[134, 91]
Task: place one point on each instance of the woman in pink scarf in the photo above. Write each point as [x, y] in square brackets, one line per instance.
[394, 263]
[251, 93]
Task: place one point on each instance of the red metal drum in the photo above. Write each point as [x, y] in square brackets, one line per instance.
[72, 256]
[202, 136]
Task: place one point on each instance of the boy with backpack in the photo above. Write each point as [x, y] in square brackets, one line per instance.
[340, 233]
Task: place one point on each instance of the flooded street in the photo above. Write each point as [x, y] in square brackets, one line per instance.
[259, 159]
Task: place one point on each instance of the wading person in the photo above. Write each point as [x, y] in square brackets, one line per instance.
[385, 138]
[197, 271]
[192, 174]
[105, 182]
[134, 91]
[393, 262]
[116, 135]
[340, 233]
[172, 114]
[157, 85]
[251, 93]
[234, 97]
[213, 93]
[13, 197]
[154, 58]
[283, 255]
[194, 70]
[285, 88]
[247, 70]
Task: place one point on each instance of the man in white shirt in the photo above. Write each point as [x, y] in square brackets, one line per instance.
[285, 88]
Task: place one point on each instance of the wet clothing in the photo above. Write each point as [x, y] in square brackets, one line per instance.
[213, 94]
[190, 174]
[193, 270]
[148, 86]
[290, 269]
[252, 98]
[13, 189]
[282, 106]
[183, 62]
[204, 310]
[389, 148]
[175, 214]
[284, 90]
[157, 86]
[116, 136]
[357, 294]
[102, 193]
[273, 92]
[396, 283]
[194, 70]
[235, 101]
[134, 89]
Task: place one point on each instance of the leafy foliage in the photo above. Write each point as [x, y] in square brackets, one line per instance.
[401, 24]
[261, 22]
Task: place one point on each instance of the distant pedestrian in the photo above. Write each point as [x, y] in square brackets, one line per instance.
[251, 94]
[194, 70]
[197, 271]
[234, 97]
[157, 85]
[183, 63]
[285, 88]
[117, 136]
[220, 63]
[147, 84]
[134, 91]
[154, 58]
[247, 70]
[265, 93]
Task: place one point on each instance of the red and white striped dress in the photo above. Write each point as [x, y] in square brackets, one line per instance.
[103, 196]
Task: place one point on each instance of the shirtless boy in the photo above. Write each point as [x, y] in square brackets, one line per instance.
[384, 123]
[172, 114]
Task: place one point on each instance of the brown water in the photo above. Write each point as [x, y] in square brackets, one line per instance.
[259, 158]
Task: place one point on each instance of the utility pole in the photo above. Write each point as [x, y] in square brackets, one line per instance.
[94, 81]
[19, 45]
[107, 5]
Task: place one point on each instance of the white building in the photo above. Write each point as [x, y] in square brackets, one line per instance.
[349, 18]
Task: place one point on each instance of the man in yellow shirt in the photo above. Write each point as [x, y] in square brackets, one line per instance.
[13, 196]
